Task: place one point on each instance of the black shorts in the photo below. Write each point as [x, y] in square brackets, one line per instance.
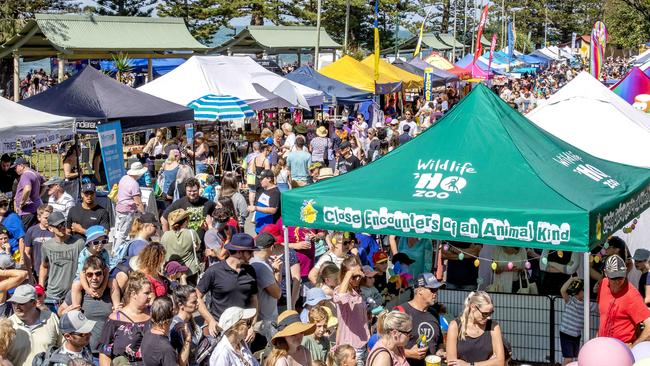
[570, 345]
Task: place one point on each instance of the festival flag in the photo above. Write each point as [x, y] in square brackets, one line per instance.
[479, 33]
[599, 37]
[376, 40]
[419, 44]
[492, 47]
[511, 40]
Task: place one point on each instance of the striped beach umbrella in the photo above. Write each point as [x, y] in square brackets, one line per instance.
[220, 108]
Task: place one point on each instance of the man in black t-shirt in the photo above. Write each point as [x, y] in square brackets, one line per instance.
[346, 162]
[231, 282]
[461, 274]
[193, 203]
[87, 213]
[267, 208]
[7, 175]
[426, 323]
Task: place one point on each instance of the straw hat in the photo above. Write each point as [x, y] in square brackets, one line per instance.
[325, 173]
[321, 131]
[177, 216]
[332, 321]
[289, 324]
[137, 169]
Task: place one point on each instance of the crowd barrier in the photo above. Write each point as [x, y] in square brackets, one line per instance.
[530, 323]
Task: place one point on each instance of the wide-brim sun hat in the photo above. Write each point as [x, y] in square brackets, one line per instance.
[289, 324]
[321, 131]
[137, 169]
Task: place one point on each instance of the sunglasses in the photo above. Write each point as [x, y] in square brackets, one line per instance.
[4, 204]
[485, 314]
[406, 332]
[95, 274]
[99, 242]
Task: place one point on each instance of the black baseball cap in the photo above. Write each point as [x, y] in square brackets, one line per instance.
[56, 218]
[264, 240]
[20, 161]
[266, 173]
[88, 187]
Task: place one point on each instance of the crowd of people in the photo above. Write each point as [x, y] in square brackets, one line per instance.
[199, 278]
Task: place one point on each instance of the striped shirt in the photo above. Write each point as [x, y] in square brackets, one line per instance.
[572, 318]
[63, 204]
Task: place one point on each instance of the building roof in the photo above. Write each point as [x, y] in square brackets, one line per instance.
[258, 38]
[429, 41]
[449, 39]
[52, 34]
[485, 41]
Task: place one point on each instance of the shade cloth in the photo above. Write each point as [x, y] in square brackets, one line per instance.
[220, 108]
[409, 80]
[344, 94]
[352, 72]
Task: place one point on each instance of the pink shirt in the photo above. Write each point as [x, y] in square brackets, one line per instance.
[353, 319]
[126, 190]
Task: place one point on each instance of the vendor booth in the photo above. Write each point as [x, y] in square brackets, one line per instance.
[352, 72]
[334, 90]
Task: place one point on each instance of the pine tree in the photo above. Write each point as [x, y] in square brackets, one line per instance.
[629, 26]
[138, 8]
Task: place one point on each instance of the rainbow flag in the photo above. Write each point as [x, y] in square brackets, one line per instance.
[599, 37]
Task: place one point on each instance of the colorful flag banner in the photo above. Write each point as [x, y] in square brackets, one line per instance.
[493, 45]
[428, 84]
[376, 25]
[599, 37]
[479, 33]
[573, 41]
[511, 40]
[418, 46]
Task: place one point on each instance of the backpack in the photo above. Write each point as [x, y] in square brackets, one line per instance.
[50, 357]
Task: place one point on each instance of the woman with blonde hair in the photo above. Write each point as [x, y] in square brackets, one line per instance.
[287, 342]
[168, 173]
[329, 278]
[474, 339]
[394, 329]
[7, 334]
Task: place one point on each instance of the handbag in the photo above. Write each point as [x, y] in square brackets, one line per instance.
[530, 289]
[112, 195]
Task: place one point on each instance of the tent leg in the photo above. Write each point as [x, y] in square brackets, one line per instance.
[149, 70]
[61, 68]
[287, 267]
[16, 77]
[586, 312]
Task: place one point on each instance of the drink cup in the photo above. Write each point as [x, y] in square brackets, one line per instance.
[432, 360]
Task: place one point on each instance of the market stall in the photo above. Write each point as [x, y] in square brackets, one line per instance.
[333, 89]
[634, 83]
[352, 72]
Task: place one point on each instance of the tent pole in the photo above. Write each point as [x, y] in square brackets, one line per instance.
[587, 291]
[287, 268]
[16, 77]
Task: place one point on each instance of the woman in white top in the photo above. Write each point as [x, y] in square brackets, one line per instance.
[506, 277]
[232, 349]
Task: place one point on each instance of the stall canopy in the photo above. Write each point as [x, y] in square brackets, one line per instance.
[446, 75]
[240, 77]
[483, 173]
[92, 97]
[352, 72]
[409, 81]
[635, 82]
[442, 63]
[591, 117]
[344, 94]
[20, 122]
[408, 67]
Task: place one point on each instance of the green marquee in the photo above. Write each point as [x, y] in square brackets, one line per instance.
[486, 174]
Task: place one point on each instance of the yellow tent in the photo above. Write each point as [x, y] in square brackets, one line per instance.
[409, 81]
[352, 72]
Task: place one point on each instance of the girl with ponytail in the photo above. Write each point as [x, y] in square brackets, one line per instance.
[395, 328]
[474, 338]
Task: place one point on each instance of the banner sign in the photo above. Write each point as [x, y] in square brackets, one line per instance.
[110, 140]
[599, 38]
[30, 142]
[479, 33]
[428, 84]
[492, 47]
[511, 40]
[573, 40]
[189, 132]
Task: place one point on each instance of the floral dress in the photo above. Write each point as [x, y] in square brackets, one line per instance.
[123, 338]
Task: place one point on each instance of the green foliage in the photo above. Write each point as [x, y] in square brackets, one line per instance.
[138, 8]
[629, 26]
[15, 13]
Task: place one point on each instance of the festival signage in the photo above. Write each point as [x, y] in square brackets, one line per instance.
[599, 38]
[428, 84]
[479, 33]
[30, 142]
[110, 141]
[493, 45]
[189, 133]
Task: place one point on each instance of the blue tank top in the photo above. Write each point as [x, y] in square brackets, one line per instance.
[169, 176]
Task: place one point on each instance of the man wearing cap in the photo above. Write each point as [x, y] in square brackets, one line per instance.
[298, 162]
[267, 201]
[268, 275]
[7, 175]
[87, 213]
[76, 329]
[28, 192]
[15, 230]
[640, 258]
[59, 199]
[425, 319]
[60, 256]
[193, 203]
[405, 136]
[346, 161]
[129, 203]
[231, 282]
[36, 330]
[621, 307]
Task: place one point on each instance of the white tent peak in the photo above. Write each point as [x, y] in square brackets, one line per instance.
[591, 117]
[239, 76]
[17, 121]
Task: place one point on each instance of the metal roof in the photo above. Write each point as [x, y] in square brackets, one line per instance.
[52, 34]
[276, 38]
[429, 41]
[449, 39]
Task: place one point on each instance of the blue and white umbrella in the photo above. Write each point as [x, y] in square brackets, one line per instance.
[220, 108]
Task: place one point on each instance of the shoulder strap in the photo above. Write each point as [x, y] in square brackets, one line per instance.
[375, 352]
[400, 308]
[126, 316]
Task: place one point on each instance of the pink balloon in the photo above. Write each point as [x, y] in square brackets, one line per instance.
[604, 351]
[574, 363]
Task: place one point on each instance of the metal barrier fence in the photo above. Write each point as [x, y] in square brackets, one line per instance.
[530, 323]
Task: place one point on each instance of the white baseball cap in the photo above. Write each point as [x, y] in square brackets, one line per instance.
[234, 314]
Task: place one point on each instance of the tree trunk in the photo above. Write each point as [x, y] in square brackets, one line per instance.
[446, 9]
[257, 15]
[6, 73]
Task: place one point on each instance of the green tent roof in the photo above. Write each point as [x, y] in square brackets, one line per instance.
[273, 38]
[429, 41]
[486, 174]
[49, 34]
[449, 39]
[485, 41]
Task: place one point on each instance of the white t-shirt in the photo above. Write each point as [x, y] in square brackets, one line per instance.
[329, 257]
[63, 204]
[413, 127]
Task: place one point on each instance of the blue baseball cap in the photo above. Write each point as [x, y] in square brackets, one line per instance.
[315, 295]
[94, 232]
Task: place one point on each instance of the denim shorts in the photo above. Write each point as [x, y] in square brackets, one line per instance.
[570, 345]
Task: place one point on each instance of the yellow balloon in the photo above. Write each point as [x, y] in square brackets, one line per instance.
[643, 362]
[560, 253]
[597, 259]
[494, 266]
[477, 262]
